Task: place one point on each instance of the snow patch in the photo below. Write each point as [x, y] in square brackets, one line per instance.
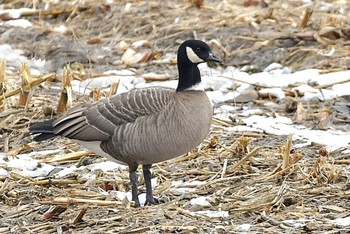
[343, 222]
[213, 213]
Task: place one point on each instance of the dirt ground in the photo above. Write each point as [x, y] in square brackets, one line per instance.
[260, 179]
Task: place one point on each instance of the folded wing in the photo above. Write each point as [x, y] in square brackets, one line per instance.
[98, 121]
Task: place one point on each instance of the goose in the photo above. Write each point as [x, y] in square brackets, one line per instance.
[143, 126]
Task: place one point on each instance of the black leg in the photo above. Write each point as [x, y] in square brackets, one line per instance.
[133, 180]
[148, 176]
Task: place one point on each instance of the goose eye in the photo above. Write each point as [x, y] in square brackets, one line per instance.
[198, 50]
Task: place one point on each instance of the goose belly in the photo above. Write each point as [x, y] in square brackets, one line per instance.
[166, 142]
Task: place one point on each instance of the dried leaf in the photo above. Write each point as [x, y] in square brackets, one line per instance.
[301, 114]
[53, 211]
[291, 105]
[131, 57]
[197, 3]
[326, 119]
[79, 217]
[94, 41]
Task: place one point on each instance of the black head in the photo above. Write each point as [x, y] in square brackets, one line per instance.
[196, 52]
[189, 55]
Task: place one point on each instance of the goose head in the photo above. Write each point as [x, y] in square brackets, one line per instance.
[190, 54]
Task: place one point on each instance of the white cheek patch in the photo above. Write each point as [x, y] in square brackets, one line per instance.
[191, 55]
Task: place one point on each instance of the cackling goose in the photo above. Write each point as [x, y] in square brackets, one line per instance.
[142, 126]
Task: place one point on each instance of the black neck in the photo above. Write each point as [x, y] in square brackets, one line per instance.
[189, 74]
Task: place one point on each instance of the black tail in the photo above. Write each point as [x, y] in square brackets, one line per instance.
[42, 131]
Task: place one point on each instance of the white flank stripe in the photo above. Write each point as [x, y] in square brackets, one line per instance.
[95, 147]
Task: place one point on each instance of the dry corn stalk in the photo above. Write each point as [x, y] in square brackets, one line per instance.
[53, 211]
[79, 217]
[286, 153]
[244, 143]
[324, 171]
[66, 93]
[290, 159]
[28, 86]
[241, 145]
[306, 18]
[96, 94]
[70, 201]
[3, 80]
[326, 118]
[301, 114]
[26, 80]
[113, 89]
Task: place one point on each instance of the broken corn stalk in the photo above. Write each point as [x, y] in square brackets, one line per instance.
[66, 93]
[25, 91]
[96, 94]
[306, 17]
[3, 80]
[113, 89]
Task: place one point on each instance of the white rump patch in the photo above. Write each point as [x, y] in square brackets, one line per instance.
[191, 55]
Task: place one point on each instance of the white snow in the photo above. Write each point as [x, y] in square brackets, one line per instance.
[280, 125]
[12, 56]
[107, 166]
[244, 227]
[297, 223]
[121, 195]
[273, 66]
[275, 92]
[341, 89]
[200, 201]
[44, 152]
[60, 29]
[213, 213]
[25, 165]
[38, 172]
[185, 186]
[16, 13]
[3, 172]
[23, 23]
[126, 78]
[66, 171]
[344, 222]
[243, 129]
[22, 162]
[331, 78]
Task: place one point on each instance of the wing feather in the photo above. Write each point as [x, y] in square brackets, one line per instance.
[98, 121]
